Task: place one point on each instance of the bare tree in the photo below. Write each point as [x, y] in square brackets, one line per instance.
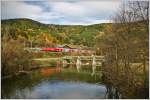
[127, 41]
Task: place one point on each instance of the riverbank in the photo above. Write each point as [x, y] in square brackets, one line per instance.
[16, 74]
[62, 73]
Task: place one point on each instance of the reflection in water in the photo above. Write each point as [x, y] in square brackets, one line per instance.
[47, 72]
[112, 93]
[37, 86]
[59, 89]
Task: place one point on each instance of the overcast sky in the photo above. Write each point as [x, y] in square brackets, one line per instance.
[71, 12]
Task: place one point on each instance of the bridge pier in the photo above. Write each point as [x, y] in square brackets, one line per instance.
[93, 65]
[78, 64]
[96, 61]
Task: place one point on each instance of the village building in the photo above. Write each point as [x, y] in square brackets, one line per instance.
[69, 47]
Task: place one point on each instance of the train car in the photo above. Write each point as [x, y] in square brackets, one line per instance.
[53, 49]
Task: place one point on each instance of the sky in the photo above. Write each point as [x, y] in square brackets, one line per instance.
[63, 12]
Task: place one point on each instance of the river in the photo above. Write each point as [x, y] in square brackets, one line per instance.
[51, 83]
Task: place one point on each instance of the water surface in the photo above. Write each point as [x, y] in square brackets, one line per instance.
[44, 85]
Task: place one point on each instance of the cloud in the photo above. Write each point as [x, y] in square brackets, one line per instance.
[14, 9]
[61, 12]
[82, 9]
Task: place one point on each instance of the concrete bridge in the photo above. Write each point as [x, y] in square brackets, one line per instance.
[72, 60]
[79, 61]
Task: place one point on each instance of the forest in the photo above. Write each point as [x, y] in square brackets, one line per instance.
[55, 34]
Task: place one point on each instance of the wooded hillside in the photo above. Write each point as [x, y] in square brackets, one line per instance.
[60, 34]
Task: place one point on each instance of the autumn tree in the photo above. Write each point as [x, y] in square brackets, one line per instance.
[126, 43]
[14, 57]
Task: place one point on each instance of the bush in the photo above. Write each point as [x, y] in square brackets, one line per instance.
[14, 57]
